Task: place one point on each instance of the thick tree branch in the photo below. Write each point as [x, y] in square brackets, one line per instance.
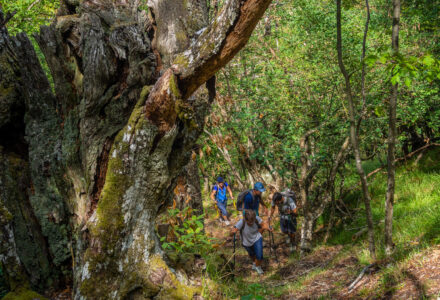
[214, 47]
[218, 43]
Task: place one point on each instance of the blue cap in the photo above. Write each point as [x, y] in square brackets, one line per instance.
[219, 179]
[259, 187]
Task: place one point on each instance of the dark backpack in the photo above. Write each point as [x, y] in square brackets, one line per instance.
[240, 199]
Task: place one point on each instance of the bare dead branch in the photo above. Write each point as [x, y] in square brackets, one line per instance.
[360, 276]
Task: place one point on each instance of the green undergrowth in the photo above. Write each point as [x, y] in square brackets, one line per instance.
[416, 217]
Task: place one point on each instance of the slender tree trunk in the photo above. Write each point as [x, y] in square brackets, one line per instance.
[206, 183]
[354, 138]
[364, 49]
[103, 153]
[392, 134]
[307, 233]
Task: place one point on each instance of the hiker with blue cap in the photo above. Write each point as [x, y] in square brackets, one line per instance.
[253, 198]
[218, 195]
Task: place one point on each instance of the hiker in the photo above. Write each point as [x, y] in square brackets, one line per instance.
[251, 229]
[253, 198]
[218, 195]
[287, 209]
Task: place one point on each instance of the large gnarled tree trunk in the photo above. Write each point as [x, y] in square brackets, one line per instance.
[97, 161]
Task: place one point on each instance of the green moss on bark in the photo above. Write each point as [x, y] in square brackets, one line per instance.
[185, 112]
[110, 220]
[23, 294]
[171, 288]
[174, 88]
[181, 60]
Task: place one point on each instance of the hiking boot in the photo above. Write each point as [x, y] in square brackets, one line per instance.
[259, 270]
[227, 223]
[254, 267]
[288, 240]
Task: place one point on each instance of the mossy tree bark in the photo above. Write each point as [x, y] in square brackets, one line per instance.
[98, 158]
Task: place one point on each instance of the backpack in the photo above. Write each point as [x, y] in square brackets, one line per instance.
[290, 194]
[240, 199]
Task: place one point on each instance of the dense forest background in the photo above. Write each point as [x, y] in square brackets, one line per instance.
[282, 116]
[287, 82]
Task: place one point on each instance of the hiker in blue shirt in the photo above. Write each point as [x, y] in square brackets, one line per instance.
[218, 195]
[253, 198]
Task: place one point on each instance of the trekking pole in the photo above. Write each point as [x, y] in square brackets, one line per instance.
[270, 241]
[234, 255]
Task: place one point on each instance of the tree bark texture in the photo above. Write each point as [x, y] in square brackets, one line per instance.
[354, 136]
[97, 160]
[392, 134]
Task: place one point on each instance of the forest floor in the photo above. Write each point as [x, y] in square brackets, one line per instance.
[326, 273]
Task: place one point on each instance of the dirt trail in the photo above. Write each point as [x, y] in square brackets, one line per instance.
[328, 270]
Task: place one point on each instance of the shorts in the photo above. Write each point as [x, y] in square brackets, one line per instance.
[256, 250]
[288, 225]
[222, 207]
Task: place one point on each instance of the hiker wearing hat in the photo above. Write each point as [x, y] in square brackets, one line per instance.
[218, 195]
[287, 209]
[253, 198]
[251, 229]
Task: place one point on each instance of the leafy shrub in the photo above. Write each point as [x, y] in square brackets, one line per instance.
[186, 231]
